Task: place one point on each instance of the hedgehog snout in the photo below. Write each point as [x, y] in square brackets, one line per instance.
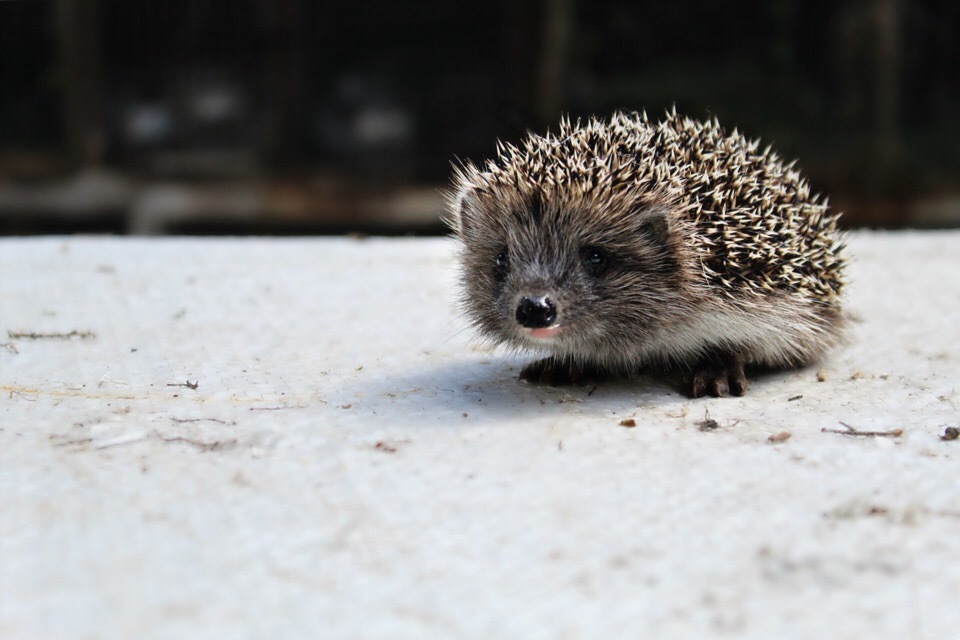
[536, 312]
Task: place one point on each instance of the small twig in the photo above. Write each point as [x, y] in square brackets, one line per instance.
[590, 393]
[280, 408]
[22, 393]
[71, 443]
[850, 431]
[188, 420]
[119, 442]
[34, 335]
[791, 399]
[12, 347]
[187, 384]
[203, 446]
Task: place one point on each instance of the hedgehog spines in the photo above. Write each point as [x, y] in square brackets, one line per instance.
[757, 228]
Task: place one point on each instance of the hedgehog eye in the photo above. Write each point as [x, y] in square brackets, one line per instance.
[501, 265]
[595, 260]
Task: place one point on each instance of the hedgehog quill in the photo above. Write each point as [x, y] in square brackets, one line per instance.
[617, 246]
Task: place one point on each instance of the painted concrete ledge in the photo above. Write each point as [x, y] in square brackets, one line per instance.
[295, 438]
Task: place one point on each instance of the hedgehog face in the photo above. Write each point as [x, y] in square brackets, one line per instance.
[558, 277]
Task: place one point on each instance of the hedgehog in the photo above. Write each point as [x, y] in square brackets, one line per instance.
[620, 246]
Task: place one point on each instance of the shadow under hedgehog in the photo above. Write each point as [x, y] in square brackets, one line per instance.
[625, 245]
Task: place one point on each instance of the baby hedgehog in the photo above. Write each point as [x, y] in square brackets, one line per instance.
[624, 245]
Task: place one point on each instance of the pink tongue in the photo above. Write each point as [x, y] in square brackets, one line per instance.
[548, 332]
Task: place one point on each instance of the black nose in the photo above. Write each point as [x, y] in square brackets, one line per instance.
[536, 313]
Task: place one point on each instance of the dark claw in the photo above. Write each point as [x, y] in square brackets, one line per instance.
[719, 386]
[738, 379]
[698, 385]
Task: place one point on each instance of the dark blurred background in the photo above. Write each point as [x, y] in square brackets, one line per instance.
[289, 116]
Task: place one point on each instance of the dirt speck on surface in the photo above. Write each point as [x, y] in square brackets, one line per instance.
[708, 423]
[628, 422]
[187, 384]
[776, 438]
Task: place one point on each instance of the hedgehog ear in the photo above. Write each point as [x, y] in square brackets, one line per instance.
[655, 224]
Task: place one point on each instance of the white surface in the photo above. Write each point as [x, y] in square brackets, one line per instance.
[349, 466]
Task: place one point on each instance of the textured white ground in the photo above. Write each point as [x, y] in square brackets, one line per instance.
[349, 466]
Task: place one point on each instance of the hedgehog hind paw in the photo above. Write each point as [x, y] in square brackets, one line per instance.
[718, 376]
[556, 372]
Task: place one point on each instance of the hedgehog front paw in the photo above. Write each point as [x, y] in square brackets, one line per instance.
[718, 376]
[555, 373]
